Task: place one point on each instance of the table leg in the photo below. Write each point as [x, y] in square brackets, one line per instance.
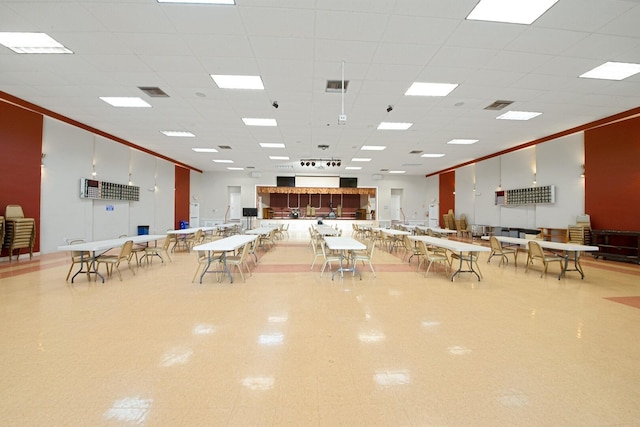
[91, 269]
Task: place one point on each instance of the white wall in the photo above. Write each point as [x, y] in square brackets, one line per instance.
[210, 188]
[558, 162]
[70, 155]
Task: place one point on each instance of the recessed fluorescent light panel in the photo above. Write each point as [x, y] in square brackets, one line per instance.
[31, 43]
[132, 102]
[223, 161]
[373, 147]
[232, 2]
[260, 122]
[360, 159]
[432, 155]
[397, 172]
[271, 145]
[430, 89]
[353, 168]
[515, 12]
[394, 126]
[205, 150]
[279, 157]
[612, 71]
[462, 141]
[235, 169]
[238, 82]
[178, 133]
[518, 115]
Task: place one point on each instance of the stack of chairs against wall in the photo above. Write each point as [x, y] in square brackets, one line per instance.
[19, 232]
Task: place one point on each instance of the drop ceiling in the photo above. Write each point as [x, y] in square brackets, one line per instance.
[296, 46]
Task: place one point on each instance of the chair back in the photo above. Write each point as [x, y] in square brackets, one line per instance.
[167, 243]
[495, 244]
[126, 250]
[371, 246]
[535, 250]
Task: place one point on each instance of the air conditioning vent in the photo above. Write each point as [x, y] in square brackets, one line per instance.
[415, 152]
[335, 86]
[224, 147]
[153, 92]
[498, 105]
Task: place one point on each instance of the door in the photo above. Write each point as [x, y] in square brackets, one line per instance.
[396, 204]
[235, 203]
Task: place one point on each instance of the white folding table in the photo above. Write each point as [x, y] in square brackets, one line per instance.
[342, 244]
[103, 246]
[569, 249]
[458, 247]
[225, 245]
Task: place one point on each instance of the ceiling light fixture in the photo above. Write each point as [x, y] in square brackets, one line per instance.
[430, 89]
[518, 115]
[373, 147]
[462, 141]
[612, 71]
[260, 122]
[31, 43]
[514, 12]
[394, 126]
[272, 145]
[205, 150]
[225, 81]
[122, 101]
[178, 133]
[228, 2]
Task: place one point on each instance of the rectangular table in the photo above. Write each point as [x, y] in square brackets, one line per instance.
[437, 230]
[103, 246]
[343, 244]
[325, 230]
[568, 249]
[396, 235]
[458, 247]
[225, 245]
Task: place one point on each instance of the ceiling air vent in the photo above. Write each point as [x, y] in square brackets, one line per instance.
[323, 146]
[415, 152]
[498, 105]
[224, 147]
[335, 86]
[153, 92]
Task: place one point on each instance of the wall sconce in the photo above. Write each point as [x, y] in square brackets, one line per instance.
[42, 159]
[535, 182]
[582, 174]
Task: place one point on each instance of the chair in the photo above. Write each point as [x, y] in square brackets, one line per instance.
[411, 248]
[316, 242]
[240, 260]
[431, 257]
[194, 239]
[77, 257]
[366, 255]
[115, 260]
[151, 251]
[497, 249]
[328, 257]
[536, 253]
[268, 239]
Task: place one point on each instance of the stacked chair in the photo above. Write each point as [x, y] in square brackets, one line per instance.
[19, 232]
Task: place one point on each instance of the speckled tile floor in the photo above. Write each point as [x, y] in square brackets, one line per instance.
[288, 347]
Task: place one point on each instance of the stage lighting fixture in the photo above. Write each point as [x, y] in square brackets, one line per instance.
[313, 163]
[301, 163]
[307, 163]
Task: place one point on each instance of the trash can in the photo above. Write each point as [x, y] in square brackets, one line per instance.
[184, 224]
[143, 230]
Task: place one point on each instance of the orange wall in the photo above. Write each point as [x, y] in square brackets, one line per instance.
[446, 196]
[183, 189]
[20, 151]
[612, 175]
